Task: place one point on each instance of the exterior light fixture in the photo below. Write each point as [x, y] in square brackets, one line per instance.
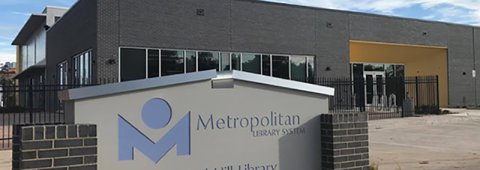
[111, 61]
[200, 12]
[329, 25]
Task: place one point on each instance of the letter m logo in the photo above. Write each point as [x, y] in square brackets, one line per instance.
[156, 114]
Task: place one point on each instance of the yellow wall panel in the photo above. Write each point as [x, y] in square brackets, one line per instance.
[418, 60]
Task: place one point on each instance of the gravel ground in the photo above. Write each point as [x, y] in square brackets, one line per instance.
[431, 142]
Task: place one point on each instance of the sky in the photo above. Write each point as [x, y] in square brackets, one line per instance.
[14, 13]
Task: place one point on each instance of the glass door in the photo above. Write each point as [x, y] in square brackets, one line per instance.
[374, 87]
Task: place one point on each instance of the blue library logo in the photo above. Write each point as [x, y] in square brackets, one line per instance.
[156, 114]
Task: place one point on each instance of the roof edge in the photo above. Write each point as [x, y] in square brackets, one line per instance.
[24, 30]
[212, 75]
[130, 86]
[359, 13]
[277, 82]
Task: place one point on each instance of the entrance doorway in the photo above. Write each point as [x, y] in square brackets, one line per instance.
[374, 88]
[421, 61]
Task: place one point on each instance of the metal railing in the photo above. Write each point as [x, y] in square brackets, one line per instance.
[384, 97]
[32, 105]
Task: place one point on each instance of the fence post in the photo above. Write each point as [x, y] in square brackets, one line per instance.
[416, 93]
[362, 95]
[438, 94]
[30, 103]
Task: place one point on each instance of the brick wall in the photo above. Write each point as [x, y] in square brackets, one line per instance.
[344, 141]
[108, 38]
[62, 147]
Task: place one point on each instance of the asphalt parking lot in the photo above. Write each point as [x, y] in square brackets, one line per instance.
[430, 142]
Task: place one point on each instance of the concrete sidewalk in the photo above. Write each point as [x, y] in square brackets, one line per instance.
[5, 160]
[431, 142]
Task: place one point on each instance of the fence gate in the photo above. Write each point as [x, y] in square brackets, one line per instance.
[382, 96]
[28, 105]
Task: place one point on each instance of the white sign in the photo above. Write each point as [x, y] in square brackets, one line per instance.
[196, 127]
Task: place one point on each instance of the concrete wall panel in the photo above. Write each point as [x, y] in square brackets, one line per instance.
[212, 147]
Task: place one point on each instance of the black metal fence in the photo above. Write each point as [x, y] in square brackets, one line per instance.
[383, 97]
[32, 105]
[380, 97]
[28, 105]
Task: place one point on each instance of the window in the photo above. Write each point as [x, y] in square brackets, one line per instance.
[30, 53]
[357, 71]
[298, 66]
[191, 61]
[75, 70]
[40, 48]
[389, 70]
[266, 65]
[82, 68]
[132, 64]
[33, 51]
[374, 67]
[153, 63]
[24, 57]
[207, 61]
[236, 61]
[57, 18]
[172, 62]
[62, 72]
[251, 63]
[142, 63]
[225, 61]
[400, 70]
[280, 66]
[310, 69]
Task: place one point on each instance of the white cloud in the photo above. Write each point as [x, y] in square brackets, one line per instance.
[21, 13]
[449, 10]
[7, 56]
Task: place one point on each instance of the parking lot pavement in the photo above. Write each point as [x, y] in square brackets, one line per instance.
[427, 143]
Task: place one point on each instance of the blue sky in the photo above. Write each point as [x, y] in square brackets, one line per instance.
[14, 13]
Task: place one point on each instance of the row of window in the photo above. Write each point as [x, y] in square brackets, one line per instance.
[34, 51]
[391, 70]
[141, 63]
[81, 69]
